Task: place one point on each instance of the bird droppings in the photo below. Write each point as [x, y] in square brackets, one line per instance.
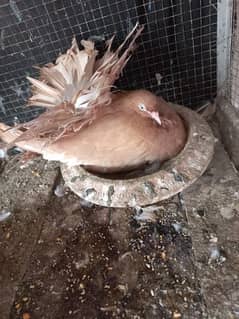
[4, 214]
[16, 121]
[150, 6]
[214, 253]
[19, 91]
[177, 176]
[149, 189]
[110, 193]
[146, 217]
[15, 10]
[60, 190]
[213, 239]
[133, 202]
[177, 227]
[97, 38]
[159, 78]
[89, 193]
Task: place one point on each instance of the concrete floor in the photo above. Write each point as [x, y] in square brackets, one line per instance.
[62, 258]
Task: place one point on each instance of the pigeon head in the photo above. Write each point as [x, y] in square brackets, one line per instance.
[146, 104]
[150, 112]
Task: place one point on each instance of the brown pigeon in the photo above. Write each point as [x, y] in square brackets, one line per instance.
[87, 124]
[137, 128]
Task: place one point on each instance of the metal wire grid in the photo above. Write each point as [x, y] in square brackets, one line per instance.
[232, 91]
[233, 87]
[176, 57]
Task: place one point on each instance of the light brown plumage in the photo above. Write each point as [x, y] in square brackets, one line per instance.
[121, 137]
[86, 124]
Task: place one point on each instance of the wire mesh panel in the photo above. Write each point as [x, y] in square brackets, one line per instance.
[234, 76]
[176, 57]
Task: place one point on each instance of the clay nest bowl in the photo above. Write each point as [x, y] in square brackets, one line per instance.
[140, 188]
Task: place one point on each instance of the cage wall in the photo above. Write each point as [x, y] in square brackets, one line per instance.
[232, 89]
[176, 57]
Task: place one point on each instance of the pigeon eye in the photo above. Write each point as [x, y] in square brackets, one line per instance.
[142, 107]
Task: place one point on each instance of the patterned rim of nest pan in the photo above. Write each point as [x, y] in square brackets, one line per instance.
[174, 176]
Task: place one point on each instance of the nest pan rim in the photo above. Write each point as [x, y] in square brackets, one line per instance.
[176, 174]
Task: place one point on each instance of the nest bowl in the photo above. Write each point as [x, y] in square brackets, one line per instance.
[171, 178]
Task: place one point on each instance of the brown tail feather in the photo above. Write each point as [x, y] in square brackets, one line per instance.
[8, 134]
[92, 90]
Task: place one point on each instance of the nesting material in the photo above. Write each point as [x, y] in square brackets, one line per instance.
[173, 177]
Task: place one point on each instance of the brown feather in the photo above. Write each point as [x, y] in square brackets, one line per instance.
[87, 124]
[73, 107]
[119, 138]
[119, 141]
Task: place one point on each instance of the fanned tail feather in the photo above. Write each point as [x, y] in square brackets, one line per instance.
[74, 88]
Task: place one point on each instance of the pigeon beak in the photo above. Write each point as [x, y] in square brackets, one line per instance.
[155, 116]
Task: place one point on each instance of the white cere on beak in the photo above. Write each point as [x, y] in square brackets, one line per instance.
[155, 116]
